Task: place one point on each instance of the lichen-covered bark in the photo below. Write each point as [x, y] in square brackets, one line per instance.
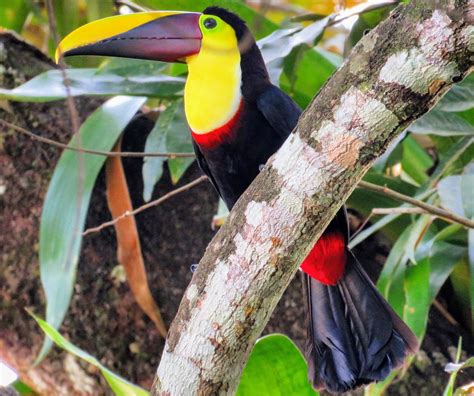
[393, 76]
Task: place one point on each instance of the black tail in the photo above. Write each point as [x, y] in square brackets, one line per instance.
[354, 335]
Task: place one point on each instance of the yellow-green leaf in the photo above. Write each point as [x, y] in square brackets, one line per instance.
[67, 201]
[119, 385]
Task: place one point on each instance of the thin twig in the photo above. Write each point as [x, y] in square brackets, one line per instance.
[434, 210]
[88, 151]
[146, 206]
[399, 210]
[362, 226]
[444, 312]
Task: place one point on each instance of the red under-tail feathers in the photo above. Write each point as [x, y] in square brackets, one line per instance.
[327, 259]
[354, 336]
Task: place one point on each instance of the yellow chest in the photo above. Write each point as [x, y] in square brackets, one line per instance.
[212, 93]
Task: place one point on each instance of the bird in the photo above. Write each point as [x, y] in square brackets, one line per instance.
[238, 119]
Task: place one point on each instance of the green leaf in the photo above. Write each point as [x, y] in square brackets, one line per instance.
[258, 24]
[415, 160]
[456, 192]
[13, 14]
[460, 97]
[390, 282]
[305, 71]
[447, 160]
[417, 297]
[275, 367]
[442, 123]
[91, 82]
[443, 258]
[170, 134]
[460, 279]
[392, 156]
[67, 201]
[178, 140]
[420, 228]
[153, 166]
[280, 43]
[128, 67]
[446, 146]
[119, 385]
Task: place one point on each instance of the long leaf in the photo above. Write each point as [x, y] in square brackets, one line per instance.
[278, 45]
[457, 192]
[170, 134]
[119, 386]
[415, 161]
[129, 251]
[90, 82]
[305, 70]
[417, 297]
[67, 200]
[390, 282]
[460, 97]
[442, 123]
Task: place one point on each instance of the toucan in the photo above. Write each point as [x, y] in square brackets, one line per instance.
[238, 119]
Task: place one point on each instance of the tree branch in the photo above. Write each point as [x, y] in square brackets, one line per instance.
[55, 143]
[393, 76]
[430, 209]
[156, 202]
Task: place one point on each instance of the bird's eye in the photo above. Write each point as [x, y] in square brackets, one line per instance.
[210, 23]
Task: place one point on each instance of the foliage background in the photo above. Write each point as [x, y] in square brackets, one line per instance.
[432, 161]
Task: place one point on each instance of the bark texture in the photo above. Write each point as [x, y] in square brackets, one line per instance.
[393, 76]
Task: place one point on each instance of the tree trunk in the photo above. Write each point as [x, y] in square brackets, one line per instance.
[393, 76]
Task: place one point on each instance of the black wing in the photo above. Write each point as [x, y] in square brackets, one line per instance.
[204, 166]
[281, 112]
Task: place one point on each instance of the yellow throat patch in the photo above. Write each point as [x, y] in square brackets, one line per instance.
[212, 93]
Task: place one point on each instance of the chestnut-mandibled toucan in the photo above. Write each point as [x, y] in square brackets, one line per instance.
[238, 119]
